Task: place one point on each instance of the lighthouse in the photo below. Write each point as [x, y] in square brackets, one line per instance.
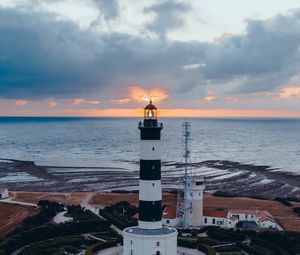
[150, 237]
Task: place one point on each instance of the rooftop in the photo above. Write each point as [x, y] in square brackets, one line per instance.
[141, 231]
[169, 213]
[215, 212]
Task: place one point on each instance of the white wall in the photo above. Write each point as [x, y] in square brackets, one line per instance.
[150, 149]
[214, 221]
[170, 222]
[4, 194]
[150, 244]
[150, 190]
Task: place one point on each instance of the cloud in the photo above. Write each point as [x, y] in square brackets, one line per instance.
[109, 9]
[120, 101]
[52, 103]
[210, 97]
[168, 16]
[139, 94]
[42, 57]
[21, 103]
[288, 92]
[193, 66]
[79, 101]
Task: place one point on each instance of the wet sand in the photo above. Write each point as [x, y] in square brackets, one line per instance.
[232, 177]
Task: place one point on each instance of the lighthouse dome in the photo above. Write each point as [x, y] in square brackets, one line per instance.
[150, 106]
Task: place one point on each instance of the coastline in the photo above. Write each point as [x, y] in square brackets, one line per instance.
[232, 177]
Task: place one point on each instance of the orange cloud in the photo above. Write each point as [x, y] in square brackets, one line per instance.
[21, 103]
[52, 104]
[292, 91]
[210, 97]
[138, 93]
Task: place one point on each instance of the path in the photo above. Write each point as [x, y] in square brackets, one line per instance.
[61, 218]
[10, 201]
[111, 251]
[187, 251]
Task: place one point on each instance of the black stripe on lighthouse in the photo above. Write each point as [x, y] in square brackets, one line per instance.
[150, 170]
[150, 211]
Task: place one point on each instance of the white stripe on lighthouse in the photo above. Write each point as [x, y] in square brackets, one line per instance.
[150, 190]
[150, 225]
[150, 149]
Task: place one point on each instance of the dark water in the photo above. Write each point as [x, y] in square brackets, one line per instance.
[111, 141]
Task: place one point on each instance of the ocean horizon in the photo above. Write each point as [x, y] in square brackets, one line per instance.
[95, 141]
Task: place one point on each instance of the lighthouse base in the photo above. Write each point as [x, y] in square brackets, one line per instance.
[138, 241]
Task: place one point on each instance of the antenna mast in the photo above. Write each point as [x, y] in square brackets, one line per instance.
[182, 202]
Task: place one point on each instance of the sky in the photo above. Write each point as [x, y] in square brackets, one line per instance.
[194, 58]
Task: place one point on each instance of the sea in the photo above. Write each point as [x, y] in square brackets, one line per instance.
[114, 142]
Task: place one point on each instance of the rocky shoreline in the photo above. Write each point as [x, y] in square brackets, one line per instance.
[232, 177]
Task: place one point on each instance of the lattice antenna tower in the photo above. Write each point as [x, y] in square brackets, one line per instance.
[182, 204]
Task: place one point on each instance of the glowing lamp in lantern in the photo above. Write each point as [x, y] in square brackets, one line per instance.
[150, 111]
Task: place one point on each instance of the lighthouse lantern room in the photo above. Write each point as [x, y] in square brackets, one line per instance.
[150, 237]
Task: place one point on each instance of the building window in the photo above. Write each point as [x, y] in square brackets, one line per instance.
[131, 242]
[246, 216]
[168, 221]
[153, 184]
[153, 167]
[158, 253]
[157, 243]
[191, 194]
[153, 148]
[131, 252]
[205, 220]
[214, 221]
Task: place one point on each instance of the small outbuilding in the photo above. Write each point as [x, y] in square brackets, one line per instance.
[3, 193]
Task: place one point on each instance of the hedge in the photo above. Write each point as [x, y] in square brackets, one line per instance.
[187, 243]
[268, 245]
[115, 221]
[206, 249]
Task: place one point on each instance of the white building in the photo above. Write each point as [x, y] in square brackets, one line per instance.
[261, 217]
[3, 193]
[195, 188]
[229, 218]
[169, 217]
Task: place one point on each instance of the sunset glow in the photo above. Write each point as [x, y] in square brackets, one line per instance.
[140, 94]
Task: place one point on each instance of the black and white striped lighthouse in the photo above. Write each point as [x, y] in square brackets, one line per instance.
[150, 195]
[150, 237]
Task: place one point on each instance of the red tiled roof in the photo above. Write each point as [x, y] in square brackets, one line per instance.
[261, 215]
[215, 212]
[169, 213]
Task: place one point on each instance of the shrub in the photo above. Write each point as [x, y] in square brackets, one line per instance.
[36, 234]
[284, 201]
[187, 243]
[206, 249]
[297, 210]
[220, 193]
